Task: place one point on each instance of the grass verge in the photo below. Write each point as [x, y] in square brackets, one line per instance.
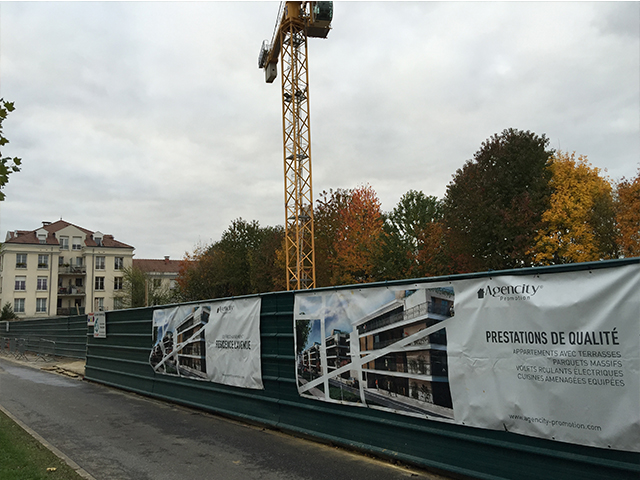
[22, 457]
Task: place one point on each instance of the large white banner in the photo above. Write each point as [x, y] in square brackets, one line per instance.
[553, 355]
[215, 341]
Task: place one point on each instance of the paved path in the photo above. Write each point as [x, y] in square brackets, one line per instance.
[115, 435]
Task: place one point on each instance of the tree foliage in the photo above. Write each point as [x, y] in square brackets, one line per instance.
[579, 225]
[494, 204]
[357, 240]
[628, 216]
[241, 262]
[412, 238]
[140, 290]
[516, 203]
[7, 312]
[8, 165]
[326, 221]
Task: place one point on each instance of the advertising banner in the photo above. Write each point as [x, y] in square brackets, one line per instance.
[554, 355]
[99, 325]
[213, 341]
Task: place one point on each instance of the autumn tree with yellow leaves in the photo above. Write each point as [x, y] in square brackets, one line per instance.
[579, 224]
[628, 216]
[357, 238]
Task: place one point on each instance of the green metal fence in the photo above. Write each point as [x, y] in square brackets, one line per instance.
[59, 336]
[122, 360]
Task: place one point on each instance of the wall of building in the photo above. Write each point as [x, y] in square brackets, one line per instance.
[70, 275]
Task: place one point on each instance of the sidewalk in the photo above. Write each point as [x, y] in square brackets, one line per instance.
[70, 367]
[115, 435]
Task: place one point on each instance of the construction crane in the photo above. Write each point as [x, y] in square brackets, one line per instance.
[296, 22]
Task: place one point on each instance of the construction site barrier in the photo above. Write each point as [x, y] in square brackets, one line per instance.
[121, 359]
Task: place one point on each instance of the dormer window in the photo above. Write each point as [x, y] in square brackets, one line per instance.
[97, 237]
[42, 235]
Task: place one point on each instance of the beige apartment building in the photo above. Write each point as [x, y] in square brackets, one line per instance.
[162, 273]
[61, 269]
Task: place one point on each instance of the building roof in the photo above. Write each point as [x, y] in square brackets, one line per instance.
[157, 266]
[31, 237]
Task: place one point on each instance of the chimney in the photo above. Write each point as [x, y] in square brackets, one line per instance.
[166, 259]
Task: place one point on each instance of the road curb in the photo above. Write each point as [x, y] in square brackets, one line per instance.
[77, 468]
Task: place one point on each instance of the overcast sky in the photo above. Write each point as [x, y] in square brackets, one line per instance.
[151, 121]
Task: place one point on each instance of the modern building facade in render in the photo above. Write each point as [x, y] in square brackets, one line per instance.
[401, 345]
[419, 370]
[182, 351]
[61, 269]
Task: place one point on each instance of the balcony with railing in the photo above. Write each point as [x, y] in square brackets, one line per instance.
[70, 311]
[445, 309]
[72, 270]
[71, 291]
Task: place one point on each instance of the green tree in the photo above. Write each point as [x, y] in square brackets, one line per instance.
[267, 273]
[303, 330]
[326, 221]
[140, 290]
[7, 312]
[409, 230]
[243, 261]
[8, 165]
[494, 204]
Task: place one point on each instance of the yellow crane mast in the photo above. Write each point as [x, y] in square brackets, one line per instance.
[295, 22]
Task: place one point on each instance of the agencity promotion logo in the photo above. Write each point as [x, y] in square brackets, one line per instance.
[507, 293]
[223, 309]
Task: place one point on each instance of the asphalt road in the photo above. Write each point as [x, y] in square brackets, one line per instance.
[116, 435]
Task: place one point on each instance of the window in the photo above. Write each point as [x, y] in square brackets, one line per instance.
[100, 263]
[99, 283]
[41, 305]
[117, 283]
[99, 304]
[43, 261]
[117, 303]
[77, 243]
[78, 282]
[119, 263]
[42, 283]
[42, 238]
[21, 260]
[60, 261]
[21, 283]
[18, 305]
[64, 243]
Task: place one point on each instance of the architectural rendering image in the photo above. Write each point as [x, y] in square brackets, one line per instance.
[180, 347]
[383, 360]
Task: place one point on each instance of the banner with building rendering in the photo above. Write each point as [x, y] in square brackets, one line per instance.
[214, 341]
[554, 355]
